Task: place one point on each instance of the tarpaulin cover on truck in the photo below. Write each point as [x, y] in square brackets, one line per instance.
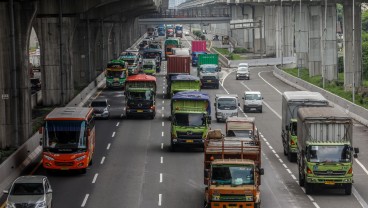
[195, 96]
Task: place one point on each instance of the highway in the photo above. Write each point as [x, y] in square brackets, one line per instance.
[134, 167]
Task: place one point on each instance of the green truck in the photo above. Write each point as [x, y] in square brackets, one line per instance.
[291, 102]
[190, 119]
[116, 74]
[209, 70]
[183, 82]
[132, 61]
[325, 149]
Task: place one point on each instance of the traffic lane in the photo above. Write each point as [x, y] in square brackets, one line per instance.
[73, 185]
[359, 134]
[293, 167]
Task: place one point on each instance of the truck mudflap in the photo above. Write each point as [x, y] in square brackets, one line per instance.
[234, 205]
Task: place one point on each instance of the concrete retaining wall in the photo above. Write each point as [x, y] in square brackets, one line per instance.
[355, 111]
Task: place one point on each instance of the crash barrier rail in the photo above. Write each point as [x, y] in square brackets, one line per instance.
[29, 153]
[353, 110]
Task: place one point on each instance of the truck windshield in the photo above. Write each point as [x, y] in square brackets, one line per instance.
[115, 74]
[147, 95]
[293, 128]
[147, 66]
[329, 153]
[226, 104]
[209, 70]
[65, 136]
[253, 97]
[228, 175]
[189, 119]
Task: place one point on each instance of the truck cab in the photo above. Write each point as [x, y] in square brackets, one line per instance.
[225, 106]
[149, 66]
[252, 101]
[209, 70]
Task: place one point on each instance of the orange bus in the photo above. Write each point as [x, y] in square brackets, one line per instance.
[68, 139]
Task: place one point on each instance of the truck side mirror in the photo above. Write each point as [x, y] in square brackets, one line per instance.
[356, 150]
[261, 171]
[6, 191]
[243, 98]
[41, 142]
[214, 104]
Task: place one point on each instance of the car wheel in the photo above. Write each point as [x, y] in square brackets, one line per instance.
[260, 110]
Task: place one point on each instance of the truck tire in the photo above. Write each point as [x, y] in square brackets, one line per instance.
[260, 110]
[301, 180]
[244, 109]
[257, 205]
[308, 187]
[290, 156]
[348, 188]
[172, 148]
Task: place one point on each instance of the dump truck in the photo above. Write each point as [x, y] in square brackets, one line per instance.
[232, 165]
[149, 66]
[209, 70]
[140, 92]
[183, 82]
[291, 102]
[325, 149]
[190, 118]
[116, 73]
[176, 65]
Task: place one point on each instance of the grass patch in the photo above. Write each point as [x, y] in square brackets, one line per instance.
[335, 87]
[230, 56]
[223, 51]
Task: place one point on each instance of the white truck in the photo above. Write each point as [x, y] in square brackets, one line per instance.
[291, 102]
[225, 106]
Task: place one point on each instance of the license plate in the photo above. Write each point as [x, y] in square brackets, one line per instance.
[97, 115]
[209, 80]
[189, 141]
[139, 111]
[252, 109]
[329, 183]
[64, 168]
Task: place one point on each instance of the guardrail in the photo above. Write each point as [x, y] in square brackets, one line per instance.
[353, 110]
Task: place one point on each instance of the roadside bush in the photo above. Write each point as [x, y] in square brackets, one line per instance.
[197, 33]
[240, 50]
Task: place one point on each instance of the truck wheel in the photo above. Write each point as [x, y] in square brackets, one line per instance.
[290, 156]
[260, 110]
[172, 147]
[301, 180]
[308, 187]
[257, 205]
[348, 189]
[218, 120]
[244, 109]
[218, 86]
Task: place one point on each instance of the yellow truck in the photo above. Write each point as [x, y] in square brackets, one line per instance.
[232, 165]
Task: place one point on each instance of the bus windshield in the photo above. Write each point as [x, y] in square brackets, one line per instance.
[65, 136]
[147, 95]
[115, 74]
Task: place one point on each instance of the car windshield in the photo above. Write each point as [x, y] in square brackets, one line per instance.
[67, 135]
[253, 97]
[189, 119]
[98, 104]
[115, 74]
[240, 133]
[209, 69]
[243, 69]
[27, 189]
[147, 95]
[327, 154]
[226, 104]
[228, 175]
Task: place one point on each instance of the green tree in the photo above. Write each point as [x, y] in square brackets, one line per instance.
[365, 21]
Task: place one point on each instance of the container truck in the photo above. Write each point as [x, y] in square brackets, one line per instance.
[208, 70]
[232, 165]
[179, 31]
[291, 102]
[176, 65]
[198, 47]
[325, 149]
[140, 92]
[169, 44]
[190, 118]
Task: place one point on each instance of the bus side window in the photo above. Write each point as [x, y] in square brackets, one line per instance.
[91, 122]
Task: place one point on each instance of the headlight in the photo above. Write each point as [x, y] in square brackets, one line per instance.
[219, 113]
[105, 110]
[41, 204]
[237, 75]
[249, 198]
[10, 205]
[48, 157]
[80, 158]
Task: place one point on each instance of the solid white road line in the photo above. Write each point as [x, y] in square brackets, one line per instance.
[259, 74]
[359, 198]
[102, 160]
[361, 165]
[95, 178]
[85, 200]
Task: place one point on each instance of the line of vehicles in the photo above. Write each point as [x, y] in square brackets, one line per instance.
[315, 134]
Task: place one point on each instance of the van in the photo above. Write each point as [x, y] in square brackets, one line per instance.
[252, 101]
[226, 106]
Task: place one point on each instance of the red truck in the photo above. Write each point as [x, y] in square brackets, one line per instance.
[198, 46]
[176, 64]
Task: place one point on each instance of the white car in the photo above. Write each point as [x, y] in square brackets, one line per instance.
[243, 65]
[252, 101]
[242, 73]
[186, 33]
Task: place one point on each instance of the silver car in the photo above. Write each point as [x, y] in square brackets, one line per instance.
[101, 108]
[29, 191]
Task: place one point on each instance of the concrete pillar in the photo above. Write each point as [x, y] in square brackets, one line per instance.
[259, 35]
[270, 30]
[15, 102]
[315, 32]
[57, 85]
[279, 31]
[352, 56]
[329, 47]
[288, 31]
[301, 34]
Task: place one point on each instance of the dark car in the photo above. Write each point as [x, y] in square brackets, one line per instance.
[101, 108]
[35, 85]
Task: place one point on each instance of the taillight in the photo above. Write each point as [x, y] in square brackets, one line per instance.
[292, 142]
[309, 171]
[350, 170]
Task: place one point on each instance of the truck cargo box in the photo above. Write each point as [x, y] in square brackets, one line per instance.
[178, 64]
[198, 45]
[208, 59]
